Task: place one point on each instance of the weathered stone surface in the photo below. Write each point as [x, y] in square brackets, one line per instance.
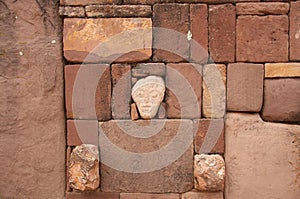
[262, 38]
[151, 2]
[68, 155]
[222, 32]
[148, 93]
[88, 2]
[214, 91]
[162, 111]
[69, 11]
[282, 100]
[202, 195]
[206, 1]
[82, 132]
[32, 129]
[262, 8]
[92, 40]
[92, 195]
[81, 105]
[121, 96]
[209, 172]
[84, 168]
[148, 196]
[282, 70]
[171, 22]
[295, 31]
[256, 151]
[209, 136]
[134, 112]
[145, 156]
[199, 30]
[184, 90]
[146, 69]
[118, 11]
[245, 87]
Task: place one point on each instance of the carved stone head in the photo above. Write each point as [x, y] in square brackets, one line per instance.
[148, 93]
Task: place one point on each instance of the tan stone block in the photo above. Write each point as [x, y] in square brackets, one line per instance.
[295, 31]
[202, 195]
[92, 40]
[262, 8]
[282, 70]
[69, 11]
[262, 158]
[88, 2]
[134, 112]
[214, 91]
[118, 11]
[148, 196]
[146, 69]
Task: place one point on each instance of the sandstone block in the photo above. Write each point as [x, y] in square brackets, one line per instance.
[202, 195]
[148, 196]
[92, 40]
[92, 195]
[146, 69]
[282, 70]
[262, 8]
[171, 22]
[88, 2]
[256, 151]
[69, 11]
[134, 112]
[245, 87]
[214, 91]
[184, 90]
[82, 132]
[84, 168]
[206, 1]
[209, 172]
[262, 38]
[118, 11]
[151, 2]
[281, 100]
[295, 31]
[121, 96]
[222, 32]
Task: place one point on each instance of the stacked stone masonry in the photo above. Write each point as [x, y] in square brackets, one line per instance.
[231, 71]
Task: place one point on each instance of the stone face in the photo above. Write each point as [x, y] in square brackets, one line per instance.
[148, 196]
[295, 31]
[92, 195]
[245, 87]
[222, 32]
[146, 69]
[209, 172]
[121, 96]
[84, 168]
[171, 22]
[256, 151]
[282, 70]
[281, 100]
[262, 8]
[69, 11]
[184, 90]
[118, 11]
[82, 132]
[92, 40]
[87, 2]
[148, 94]
[214, 90]
[91, 80]
[262, 38]
[202, 195]
[145, 156]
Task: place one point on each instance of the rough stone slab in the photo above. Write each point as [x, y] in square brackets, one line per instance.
[282, 70]
[170, 42]
[118, 11]
[151, 2]
[92, 195]
[146, 69]
[282, 100]
[121, 96]
[295, 31]
[202, 195]
[262, 8]
[119, 169]
[262, 38]
[205, 1]
[221, 26]
[88, 2]
[92, 40]
[245, 87]
[148, 196]
[184, 90]
[256, 151]
[199, 30]
[134, 112]
[82, 132]
[85, 106]
[69, 11]
[214, 90]
[209, 136]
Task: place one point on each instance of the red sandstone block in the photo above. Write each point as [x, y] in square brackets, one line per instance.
[91, 195]
[88, 2]
[85, 106]
[222, 32]
[171, 25]
[245, 87]
[262, 38]
[147, 1]
[148, 196]
[262, 8]
[295, 31]
[82, 132]
[184, 90]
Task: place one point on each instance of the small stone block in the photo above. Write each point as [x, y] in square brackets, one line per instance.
[92, 195]
[146, 69]
[263, 8]
[88, 2]
[282, 70]
[162, 111]
[148, 196]
[295, 31]
[118, 11]
[134, 112]
[82, 132]
[69, 11]
[202, 195]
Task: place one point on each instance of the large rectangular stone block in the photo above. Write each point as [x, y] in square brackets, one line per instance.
[273, 70]
[262, 8]
[118, 11]
[295, 31]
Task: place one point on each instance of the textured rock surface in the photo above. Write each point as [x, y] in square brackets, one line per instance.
[282, 100]
[209, 172]
[256, 151]
[84, 168]
[295, 31]
[118, 11]
[262, 8]
[82, 132]
[148, 94]
[92, 195]
[92, 40]
[202, 195]
[32, 129]
[88, 2]
[146, 69]
[134, 112]
[69, 11]
[282, 70]
[148, 196]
